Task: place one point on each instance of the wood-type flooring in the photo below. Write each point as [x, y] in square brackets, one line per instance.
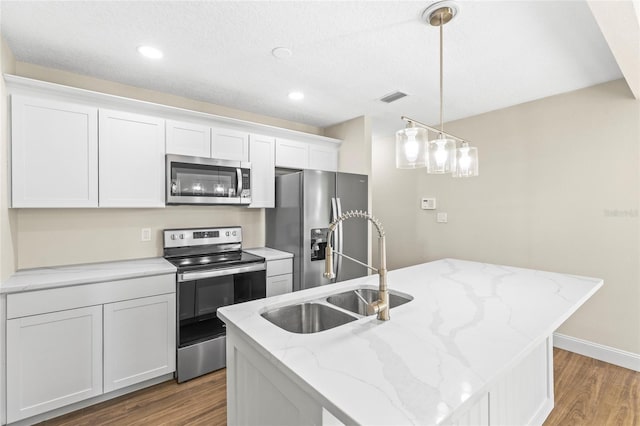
[588, 392]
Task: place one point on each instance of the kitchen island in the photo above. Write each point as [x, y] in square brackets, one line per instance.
[473, 346]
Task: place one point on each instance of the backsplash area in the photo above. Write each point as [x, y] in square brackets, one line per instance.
[48, 237]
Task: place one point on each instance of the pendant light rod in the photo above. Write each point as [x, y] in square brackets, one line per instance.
[433, 129]
[441, 79]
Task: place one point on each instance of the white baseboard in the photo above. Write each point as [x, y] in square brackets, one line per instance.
[595, 350]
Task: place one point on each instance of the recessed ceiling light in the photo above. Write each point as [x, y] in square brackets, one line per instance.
[296, 96]
[282, 52]
[150, 52]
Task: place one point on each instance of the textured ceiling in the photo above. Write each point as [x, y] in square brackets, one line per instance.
[346, 54]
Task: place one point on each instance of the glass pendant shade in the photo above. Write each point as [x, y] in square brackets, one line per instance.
[466, 161]
[411, 148]
[441, 155]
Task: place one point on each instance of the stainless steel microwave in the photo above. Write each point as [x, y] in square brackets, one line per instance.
[199, 180]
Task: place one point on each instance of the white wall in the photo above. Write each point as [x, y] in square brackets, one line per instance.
[558, 190]
[355, 157]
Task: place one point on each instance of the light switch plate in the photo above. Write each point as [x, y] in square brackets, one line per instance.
[441, 217]
[428, 204]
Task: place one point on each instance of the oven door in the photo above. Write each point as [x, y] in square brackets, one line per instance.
[198, 180]
[201, 293]
[201, 334]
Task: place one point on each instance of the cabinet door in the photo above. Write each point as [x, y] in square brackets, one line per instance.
[131, 160]
[139, 340]
[188, 139]
[53, 360]
[229, 145]
[54, 153]
[263, 171]
[279, 284]
[323, 158]
[292, 154]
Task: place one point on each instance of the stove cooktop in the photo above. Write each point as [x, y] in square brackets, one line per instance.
[214, 260]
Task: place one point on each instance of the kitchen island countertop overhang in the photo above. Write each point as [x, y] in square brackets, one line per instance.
[467, 324]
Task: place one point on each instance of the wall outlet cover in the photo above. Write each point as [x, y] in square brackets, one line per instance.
[441, 217]
[145, 234]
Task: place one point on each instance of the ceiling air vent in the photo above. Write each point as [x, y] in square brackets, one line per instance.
[393, 97]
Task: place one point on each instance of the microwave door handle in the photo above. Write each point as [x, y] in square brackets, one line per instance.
[239, 179]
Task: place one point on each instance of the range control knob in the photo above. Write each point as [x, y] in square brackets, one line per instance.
[173, 236]
[234, 233]
[226, 233]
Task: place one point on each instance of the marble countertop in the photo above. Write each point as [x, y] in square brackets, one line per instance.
[269, 253]
[68, 275]
[467, 324]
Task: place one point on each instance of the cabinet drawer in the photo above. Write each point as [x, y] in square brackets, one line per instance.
[279, 267]
[58, 299]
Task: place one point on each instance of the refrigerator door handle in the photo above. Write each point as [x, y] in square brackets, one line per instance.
[334, 216]
[334, 210]
[340, 245]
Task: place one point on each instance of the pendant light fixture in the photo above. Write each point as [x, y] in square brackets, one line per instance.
[441, 154]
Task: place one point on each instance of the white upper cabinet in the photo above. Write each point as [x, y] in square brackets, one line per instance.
[262, 152]
[131, 160]
[77, 148]
[188, 139]
[292, 154]
[301, 155]
[229, 144]
[323, 157]
[54, 153]
[200, 140]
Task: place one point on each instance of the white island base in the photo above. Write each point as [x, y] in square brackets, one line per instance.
[473, 347]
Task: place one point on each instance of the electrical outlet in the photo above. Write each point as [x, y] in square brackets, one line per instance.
[441, 217]
[145, 234]
[428, 204]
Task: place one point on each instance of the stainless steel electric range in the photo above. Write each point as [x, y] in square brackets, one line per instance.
[213, 271]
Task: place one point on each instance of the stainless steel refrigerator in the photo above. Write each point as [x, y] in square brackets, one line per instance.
[306, 202]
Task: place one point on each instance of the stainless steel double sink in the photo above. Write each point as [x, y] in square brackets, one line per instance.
[326, 313]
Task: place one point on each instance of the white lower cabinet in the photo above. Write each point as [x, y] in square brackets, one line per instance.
[279, 276]
[139, 340]
[53, 360]
[68, 344]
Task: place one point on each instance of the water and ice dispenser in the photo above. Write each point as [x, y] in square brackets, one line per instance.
[318, 243]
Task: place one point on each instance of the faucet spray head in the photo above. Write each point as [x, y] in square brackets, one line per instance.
[328, 262]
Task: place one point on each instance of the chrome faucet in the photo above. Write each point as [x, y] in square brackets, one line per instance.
[380, 306]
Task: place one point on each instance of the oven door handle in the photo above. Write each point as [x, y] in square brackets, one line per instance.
[200, 275]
